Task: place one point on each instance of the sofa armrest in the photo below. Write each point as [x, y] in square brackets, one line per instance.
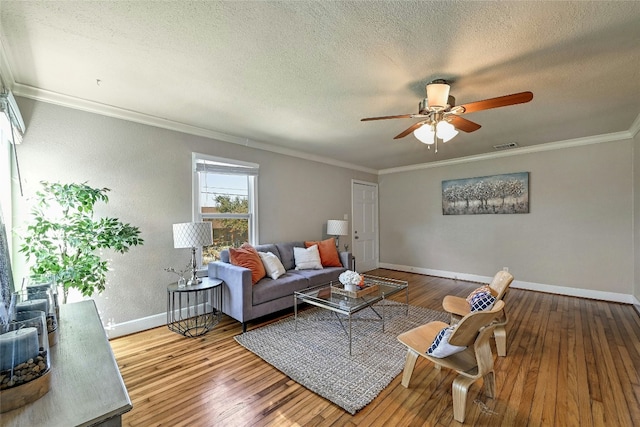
[237, 295]
[346, 258]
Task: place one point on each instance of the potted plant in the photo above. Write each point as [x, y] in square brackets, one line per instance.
[65, 240]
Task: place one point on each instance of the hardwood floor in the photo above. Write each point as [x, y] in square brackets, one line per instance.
[570, 362]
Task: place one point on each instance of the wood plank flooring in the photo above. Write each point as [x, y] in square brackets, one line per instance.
[570, 362]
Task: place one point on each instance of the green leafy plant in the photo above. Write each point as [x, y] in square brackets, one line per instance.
[65, 240]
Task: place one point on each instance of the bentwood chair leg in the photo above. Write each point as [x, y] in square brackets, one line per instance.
[490, 384]
[459, 391]
[500, 334]
[409, 364]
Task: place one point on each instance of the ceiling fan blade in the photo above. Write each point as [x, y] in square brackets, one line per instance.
[408, 130]
[402, 116]
[501, 101]
[463, 124]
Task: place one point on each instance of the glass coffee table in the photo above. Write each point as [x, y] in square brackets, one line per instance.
[332, 296]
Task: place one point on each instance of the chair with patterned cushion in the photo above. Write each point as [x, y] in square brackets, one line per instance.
[472, 361]
[459, 307]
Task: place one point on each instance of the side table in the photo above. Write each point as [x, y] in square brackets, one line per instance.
[194, 310]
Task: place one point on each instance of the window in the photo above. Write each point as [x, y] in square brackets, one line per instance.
[225, 193]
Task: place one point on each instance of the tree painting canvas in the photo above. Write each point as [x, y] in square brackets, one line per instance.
[496, 194]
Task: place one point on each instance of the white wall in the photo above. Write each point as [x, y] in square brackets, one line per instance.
[578, 234]
[149, 172]
[636, 210]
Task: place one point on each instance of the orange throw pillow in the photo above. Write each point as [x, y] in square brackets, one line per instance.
[328, 253]
[246, 256]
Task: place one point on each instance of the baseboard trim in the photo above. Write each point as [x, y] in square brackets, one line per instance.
[160, 319]
[518, 284]
[135, 325]
[139, 325]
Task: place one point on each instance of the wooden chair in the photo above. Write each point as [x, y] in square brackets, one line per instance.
[476, 361]
[459, 307]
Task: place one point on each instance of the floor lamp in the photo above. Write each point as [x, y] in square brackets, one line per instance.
[192, 235]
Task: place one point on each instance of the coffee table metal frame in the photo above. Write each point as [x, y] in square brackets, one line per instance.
[321, 296]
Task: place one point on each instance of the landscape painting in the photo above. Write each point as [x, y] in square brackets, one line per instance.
[496, 194]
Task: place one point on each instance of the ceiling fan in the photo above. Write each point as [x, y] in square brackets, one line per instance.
[441, 117]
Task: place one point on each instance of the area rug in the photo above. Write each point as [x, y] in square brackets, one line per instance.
[317, 354]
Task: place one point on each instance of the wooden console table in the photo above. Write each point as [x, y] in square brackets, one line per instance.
[86, 386]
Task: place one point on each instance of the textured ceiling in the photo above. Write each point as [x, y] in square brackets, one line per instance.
[300, 75]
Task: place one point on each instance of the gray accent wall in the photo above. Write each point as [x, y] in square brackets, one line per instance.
[149, 172]
[578, 234]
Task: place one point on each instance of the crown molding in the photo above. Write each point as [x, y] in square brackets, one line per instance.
[635, 127]
[146, 119]
[6, 76]
[570, 143]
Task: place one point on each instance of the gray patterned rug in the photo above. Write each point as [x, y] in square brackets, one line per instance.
[317, 355]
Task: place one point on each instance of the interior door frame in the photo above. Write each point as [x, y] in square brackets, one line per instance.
[376, 222]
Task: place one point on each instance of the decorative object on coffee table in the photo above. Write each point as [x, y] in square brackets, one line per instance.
[351, 280]
[192, 235]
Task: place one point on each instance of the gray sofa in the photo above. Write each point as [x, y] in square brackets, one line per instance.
[244, 301]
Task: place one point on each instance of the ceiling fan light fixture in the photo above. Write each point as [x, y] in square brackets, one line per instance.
[446, 131]
[425, 134]
[438, 95]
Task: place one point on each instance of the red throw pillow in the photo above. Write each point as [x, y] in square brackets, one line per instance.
[246, 256]
[328, 253]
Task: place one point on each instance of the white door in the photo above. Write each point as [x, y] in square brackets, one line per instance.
[364, 200]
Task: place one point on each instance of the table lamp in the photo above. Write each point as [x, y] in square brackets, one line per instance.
[337, 228]
[192, 235]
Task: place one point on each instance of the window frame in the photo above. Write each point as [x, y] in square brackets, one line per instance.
[252, 178]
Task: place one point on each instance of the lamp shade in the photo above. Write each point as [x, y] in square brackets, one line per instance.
[425, 134]
[337, 227]
[446, 131]
[192, 234]
[437, 95]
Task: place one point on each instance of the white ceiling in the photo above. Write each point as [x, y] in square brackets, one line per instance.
[300, 75]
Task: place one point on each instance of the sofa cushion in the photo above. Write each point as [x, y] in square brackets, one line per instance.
[224, 256]
[328, 253]
[246, 256]
[286, 253]
[319, 277]
[307, 258]
[272, 264]
[269, 247]
[268, 289]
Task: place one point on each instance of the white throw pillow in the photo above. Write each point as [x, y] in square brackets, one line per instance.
[272, 265]
[440, 347]
[307, 259]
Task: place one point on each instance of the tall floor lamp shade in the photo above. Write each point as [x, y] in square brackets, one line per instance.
[192, 235]
[337, 228]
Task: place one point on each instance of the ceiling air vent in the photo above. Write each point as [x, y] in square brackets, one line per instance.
[507, 146]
